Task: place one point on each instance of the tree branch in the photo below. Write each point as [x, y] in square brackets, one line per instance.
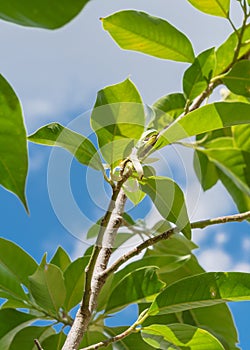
[120, 336]
[221, 220]
[167, 234]
[98, 263]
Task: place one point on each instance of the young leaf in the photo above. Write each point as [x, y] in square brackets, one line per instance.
[213, 7]
[133, 192]
[57, 135]
[138, 284]
[47, 287]
[202, 290]
[196, 77]
[118, 120]
[74, 282]
[16, 261]
[169, 200]
[93, 337]
[138, 31]
[24, 339]
[61, 259]
[47, 14]
[238, 78]
[166, 109]
[13, 145]
[225, 53]
[180, 336]
[207, 118]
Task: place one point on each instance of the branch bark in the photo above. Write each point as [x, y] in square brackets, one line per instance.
[167, 234]
[97, 264]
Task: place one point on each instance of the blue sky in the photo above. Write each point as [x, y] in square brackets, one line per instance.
[57, 75]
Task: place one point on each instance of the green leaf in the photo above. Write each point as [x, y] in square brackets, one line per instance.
[74, 282]
[12, 321]
[49, 14]
[13, 145]
[61, 259]
[166, 109]
[225, 53]
[238, 78]
[180, 336]
[24, 339]
[213, 7]
[47, 287]
[169, 200]
[118, 120]
[241, 199]
[196, 78]
[165, 263]
[138, 31]
[234, 163]
[82, 148]
[205, 170]
[16, 261]
[207, 118]
[54, 341]
[202, 290]
[241, 136]
[137, 285]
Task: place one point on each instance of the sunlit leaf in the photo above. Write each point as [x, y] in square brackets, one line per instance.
[47, 287]
[13, 144]
[225, 52]
[138, 31]
[241, 136]
[238, 78]
[61, 259]
[207, 118]
[202, 290]
[93, 337]
[57, 135]
[169, 200]
[213, 7]
[118, 120]
[180, 336]
[166, 109]
[49, 14]
[133, 192]
[196, 78]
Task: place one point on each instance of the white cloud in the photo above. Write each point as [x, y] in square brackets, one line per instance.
[215, 259]
[221, 238]
[246, 244]
[242, 267]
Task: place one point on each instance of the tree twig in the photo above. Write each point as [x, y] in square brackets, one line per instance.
[38, 345]
[221, 220]
[167, 234]
[120, 336]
